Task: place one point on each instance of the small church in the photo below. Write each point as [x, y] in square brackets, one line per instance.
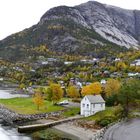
[92, 104]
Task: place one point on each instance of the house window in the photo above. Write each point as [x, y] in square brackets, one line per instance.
[87, 105]
[93, 105]
[83, 105]
[101, 105]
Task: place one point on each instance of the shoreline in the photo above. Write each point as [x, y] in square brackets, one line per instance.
[79, 132]
[76, 131]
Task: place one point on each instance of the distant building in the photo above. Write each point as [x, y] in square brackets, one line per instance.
[1, 79]
[51, 59]
[79, 84]
[117, 59]
[95, 59]
[133, 74]
[68, 62]
[90, 61]
[103, 82]
[92, 104]
[135, 63]
[44, 62]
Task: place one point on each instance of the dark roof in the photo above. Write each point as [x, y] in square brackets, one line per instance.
[95, 98]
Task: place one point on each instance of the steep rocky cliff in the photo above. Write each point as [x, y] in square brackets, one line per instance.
[114, 24]
[137, 24]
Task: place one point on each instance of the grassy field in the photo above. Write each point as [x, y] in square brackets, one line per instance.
[72, 112]
[106, 113]
[26, 106]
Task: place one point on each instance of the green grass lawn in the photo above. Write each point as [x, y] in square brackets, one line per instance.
[26, 106]
[109, 111]
[72, 112]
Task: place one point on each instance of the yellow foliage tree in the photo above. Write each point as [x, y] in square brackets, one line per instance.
[22, 86]
[121, 66]
[86, 90]
[38, 99]
[112, 87]
[73, 92]
[94, 88]
[56, 92]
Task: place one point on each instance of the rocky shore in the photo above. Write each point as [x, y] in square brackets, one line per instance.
[80, 132]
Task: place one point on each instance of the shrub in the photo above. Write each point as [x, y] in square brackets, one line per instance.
[105, 121]
[111, 100]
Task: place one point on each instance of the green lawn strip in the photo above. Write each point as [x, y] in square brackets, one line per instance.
[26, 106]
[72, 112]
[108, 112]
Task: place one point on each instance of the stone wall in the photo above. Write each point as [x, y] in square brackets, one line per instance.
[12, 117]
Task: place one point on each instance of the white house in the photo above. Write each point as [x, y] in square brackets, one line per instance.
[1, 79]
[91, 104]
[135, 63]
[68, 62]
[117, 59]
[133, 74]
[44, 62]
[103, 82]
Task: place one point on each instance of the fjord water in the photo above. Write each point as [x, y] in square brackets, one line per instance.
[7, 132]
[5, 94]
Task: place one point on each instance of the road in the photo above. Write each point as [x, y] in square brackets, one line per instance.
[125, 131]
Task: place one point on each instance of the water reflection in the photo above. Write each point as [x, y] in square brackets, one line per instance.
[6, 94]
[8, 133]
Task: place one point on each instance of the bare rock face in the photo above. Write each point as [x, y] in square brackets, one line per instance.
[117, 25]
[64, 12]
[137, 24]
[114, 24]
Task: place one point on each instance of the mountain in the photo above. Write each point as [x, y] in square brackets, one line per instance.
[91, 28]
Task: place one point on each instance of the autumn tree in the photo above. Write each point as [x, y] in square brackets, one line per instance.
[94, 88]
[112, 87]
[121, 66]
[38, 99]
[54, 93]
[40, 90]
[22, 86]
[73, 92]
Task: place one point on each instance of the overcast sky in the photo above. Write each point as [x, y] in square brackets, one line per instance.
[16, 15]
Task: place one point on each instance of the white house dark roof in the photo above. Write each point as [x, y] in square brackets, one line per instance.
[95, 98]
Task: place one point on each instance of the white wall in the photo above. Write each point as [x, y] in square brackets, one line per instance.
[138, 63]
[84, 109]
[91, 108]
[97, 107]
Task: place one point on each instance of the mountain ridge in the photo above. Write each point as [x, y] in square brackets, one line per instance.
[80, 28]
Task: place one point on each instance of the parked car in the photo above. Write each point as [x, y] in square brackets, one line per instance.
[65, 102]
